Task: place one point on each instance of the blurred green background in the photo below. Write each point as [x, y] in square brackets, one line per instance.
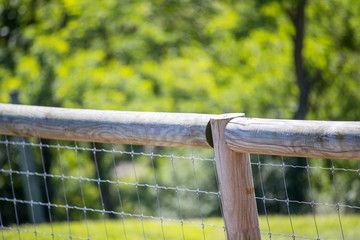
[184, 56]
[267, 58]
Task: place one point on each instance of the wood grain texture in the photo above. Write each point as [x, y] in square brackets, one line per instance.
[323, 139]
[236, 186]
[138, 128]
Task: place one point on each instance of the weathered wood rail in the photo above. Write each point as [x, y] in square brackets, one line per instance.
[138, 128]
[323, 139]
[232, 135]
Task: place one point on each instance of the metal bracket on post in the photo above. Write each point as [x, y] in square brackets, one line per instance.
[236, 185]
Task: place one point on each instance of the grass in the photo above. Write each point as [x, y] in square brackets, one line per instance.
[303, 225]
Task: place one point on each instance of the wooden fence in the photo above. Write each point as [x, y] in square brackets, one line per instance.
[232, 136]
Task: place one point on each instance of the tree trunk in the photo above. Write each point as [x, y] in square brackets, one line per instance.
[103, 173]
[297, 16]
[30, 184]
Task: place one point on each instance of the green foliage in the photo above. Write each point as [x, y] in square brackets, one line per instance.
[195, 56]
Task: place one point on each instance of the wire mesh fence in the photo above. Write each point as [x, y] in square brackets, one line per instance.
[316, 198]
[47, 181]
[53, 189]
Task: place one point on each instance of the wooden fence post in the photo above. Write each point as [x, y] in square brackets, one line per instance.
[236, 185]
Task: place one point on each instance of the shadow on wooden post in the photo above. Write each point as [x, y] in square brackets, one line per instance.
[236, 185]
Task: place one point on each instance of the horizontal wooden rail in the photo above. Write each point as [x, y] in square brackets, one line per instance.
[323, 139]
[138, 128]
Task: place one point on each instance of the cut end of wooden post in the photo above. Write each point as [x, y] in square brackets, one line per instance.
[226, 116]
